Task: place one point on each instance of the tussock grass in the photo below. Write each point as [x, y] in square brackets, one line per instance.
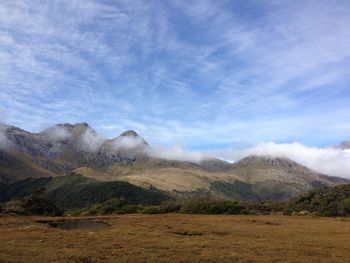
[178, 238]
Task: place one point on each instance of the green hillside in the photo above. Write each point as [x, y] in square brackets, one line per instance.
[329, 202]
[74, 191]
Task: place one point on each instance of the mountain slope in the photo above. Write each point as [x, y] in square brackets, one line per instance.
[280, 178]
[76, 191]
[16, 166]
[78, 149]
[63, 148]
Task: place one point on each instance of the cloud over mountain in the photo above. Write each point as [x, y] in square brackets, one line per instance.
[332, 161]
[4, 142]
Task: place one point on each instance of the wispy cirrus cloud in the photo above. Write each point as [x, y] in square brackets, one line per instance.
[202, 74]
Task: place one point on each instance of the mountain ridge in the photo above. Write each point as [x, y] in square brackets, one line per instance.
[78, 149]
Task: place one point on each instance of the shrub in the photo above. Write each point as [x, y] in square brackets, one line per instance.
[212, 207]
[153, 210]
[287, 211]
[38, 204]
[327, 213]
[345, 203]
[170, 206]
[112, 206]
[14, 207]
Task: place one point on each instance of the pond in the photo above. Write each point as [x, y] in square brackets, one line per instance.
[79, 225]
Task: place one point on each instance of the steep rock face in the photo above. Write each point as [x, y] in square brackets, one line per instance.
[26, 142]
[127, 147]
[344, 145]
[65, 147]
[50, 142]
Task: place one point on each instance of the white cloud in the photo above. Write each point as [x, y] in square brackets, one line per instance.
[329, 161]
[4, 142]
[128, 142]
[179, 154]
[90, 141]
[57, 133]
[135, 64]
[335, 162]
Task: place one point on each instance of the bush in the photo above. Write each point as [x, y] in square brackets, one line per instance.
[327, 213]
[153, 210]
[345, 203]
[126, 209]
[38, 204]
[34, 204]
[112, 206]
[323, 202]
[116, 206]
[14, 207]
[170, 206]
[287, 211]
[212, 207]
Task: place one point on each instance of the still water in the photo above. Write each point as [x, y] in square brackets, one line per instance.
[79, 225]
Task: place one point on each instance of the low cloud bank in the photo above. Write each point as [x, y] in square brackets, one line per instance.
[330, 161]
[177, 153]
[90, 141]
[57, 133]
[4, 142]
[128, 142]
[333, 161]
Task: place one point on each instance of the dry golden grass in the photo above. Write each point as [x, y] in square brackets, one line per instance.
[179, 238]
[183, 178]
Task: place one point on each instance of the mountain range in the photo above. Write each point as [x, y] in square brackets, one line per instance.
[65, 152]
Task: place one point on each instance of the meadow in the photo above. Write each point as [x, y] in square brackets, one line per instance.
[178, 238]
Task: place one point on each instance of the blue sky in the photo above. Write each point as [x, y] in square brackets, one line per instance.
[203, 74]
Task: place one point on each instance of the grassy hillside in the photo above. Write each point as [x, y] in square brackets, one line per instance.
[236, 190]
[16, 166]
[74, 191]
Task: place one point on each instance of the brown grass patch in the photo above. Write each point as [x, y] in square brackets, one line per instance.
[178, 238]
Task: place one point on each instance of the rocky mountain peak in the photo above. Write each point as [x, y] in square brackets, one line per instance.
[270, 165]
[129, 133]
[129, 139]
[344, 145]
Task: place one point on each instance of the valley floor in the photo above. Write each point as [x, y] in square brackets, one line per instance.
[179, 238]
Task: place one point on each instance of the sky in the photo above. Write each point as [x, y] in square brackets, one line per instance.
[205, 75]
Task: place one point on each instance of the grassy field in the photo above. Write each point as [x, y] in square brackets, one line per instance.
[179, 238]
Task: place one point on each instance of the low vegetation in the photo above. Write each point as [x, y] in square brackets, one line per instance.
[321, 202]
[177, 238]
[112, 206]
[333, 201]
[34, 204]
[76, 191]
